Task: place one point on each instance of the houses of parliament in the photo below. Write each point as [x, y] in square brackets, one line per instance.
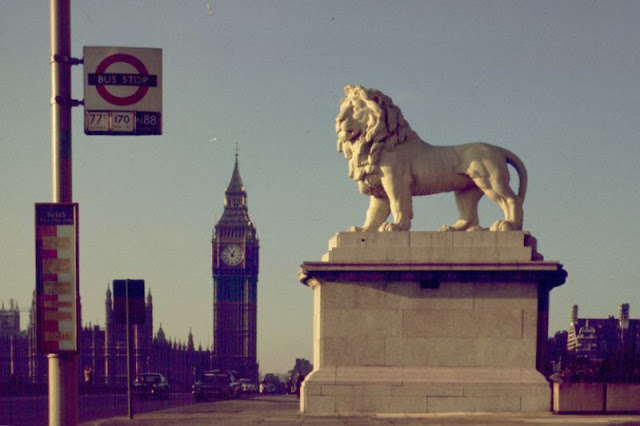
[235, 265]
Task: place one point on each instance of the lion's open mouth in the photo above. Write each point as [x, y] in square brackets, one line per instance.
[350, 135]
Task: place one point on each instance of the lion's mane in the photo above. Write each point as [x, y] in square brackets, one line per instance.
[386, 128]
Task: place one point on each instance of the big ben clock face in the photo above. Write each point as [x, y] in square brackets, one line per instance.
[232, 255]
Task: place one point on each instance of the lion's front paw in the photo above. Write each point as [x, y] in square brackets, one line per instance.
[504, 225]
[355, 229]
[461, 225]
[392, 227]
[389, 227]
[386, 227]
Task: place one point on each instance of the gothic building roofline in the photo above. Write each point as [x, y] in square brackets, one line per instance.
[235, 184]
[236, 213]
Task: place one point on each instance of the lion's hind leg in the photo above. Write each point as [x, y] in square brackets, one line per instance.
[467, 203]
[512, 208]
[511, 205]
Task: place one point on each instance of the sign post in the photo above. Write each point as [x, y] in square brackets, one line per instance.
[128, 309]
[122, 91]
[62, 366]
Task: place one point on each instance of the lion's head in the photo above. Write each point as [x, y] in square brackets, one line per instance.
[368, 121]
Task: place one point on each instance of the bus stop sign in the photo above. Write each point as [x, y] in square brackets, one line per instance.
[122, 91]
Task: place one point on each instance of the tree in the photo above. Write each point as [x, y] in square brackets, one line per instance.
[302, 366]
[556, 353]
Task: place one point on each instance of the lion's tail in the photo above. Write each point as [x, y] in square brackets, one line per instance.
[517, 164]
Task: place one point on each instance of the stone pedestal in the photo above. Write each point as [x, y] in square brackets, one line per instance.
[425, 322]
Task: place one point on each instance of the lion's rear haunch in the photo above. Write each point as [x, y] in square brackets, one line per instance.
[392, 164]
[517, 164]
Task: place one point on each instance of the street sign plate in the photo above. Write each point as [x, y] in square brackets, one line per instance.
[133, 291]
[57, 277]
[122, 91]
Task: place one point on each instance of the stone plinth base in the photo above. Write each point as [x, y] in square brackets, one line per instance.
[596, 398]
[425, 322]
[579, 397]
[347, 390]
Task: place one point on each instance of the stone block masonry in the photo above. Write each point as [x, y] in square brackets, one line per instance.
[421, 322]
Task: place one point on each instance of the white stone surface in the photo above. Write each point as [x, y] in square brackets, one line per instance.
[492, 247]
[392, 164]
[347, 390]
[395, 346]
[623, 397]
[486, 325]
[461, 347]
[578, 397]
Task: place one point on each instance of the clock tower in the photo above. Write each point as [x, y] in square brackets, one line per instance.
[235, 249]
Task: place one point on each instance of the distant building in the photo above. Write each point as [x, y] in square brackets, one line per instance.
[599, 338]
[235, 265]
[13, 348]
[604, 349]
[9, 319]
[22, 368]
[109, 349]
[105, 351]
[235, 262]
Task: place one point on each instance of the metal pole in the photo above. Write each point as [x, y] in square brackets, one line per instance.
[128, 321]
[63, 368]
[61, 100]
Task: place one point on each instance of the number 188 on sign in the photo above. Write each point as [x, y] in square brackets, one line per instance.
[122, 123]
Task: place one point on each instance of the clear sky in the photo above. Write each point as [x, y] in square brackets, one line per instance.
[554, 81]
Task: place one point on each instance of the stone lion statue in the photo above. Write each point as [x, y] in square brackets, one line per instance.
[392, 164]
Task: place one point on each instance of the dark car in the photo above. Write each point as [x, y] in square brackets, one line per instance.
[151, 385]
[236, 384]
[214, 385]
[248, 386]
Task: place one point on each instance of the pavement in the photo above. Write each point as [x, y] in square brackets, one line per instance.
[282, 410]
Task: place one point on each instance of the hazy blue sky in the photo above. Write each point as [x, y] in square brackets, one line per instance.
[554, 81]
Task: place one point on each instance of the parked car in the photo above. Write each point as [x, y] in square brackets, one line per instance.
[151, 385]
[248, 386]
[267, 388]
[236, 385]
[215, 384]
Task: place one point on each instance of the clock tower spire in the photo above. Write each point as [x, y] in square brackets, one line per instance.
[235, 248]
